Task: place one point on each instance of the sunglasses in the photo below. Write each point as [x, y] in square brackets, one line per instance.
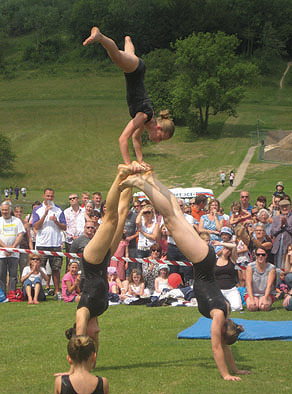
[261, 254]
[155, 250]
[147, 213]
[36, 258]
[90, 227]
[72, 198]
[244, 196]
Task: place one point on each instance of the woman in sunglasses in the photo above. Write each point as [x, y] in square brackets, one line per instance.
[260, 278]
[148, 230]
[32, 276]
[211, 302]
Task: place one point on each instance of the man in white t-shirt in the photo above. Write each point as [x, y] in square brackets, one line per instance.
[11, 232]
[49, 221]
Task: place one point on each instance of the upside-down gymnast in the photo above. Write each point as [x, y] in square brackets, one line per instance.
[211, 302]
[140, 106]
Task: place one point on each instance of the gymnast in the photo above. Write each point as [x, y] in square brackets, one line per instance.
[96, 258]
[140, 106]
[211, 302]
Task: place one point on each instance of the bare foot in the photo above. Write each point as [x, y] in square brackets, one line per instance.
[36, 302]
[125, 170]
[130, 181]
[95, 36]
[30, 302]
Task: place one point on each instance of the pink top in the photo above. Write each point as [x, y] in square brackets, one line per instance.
[120, 265]
[68, 297]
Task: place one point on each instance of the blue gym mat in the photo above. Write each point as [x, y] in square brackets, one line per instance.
[255, 330]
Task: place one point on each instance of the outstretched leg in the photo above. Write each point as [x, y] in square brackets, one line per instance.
[126, 60]
[186, 238]
[98, 246]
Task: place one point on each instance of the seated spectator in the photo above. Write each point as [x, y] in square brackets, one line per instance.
[260, 277]
[282, 287]
[161, 282]
[254, 214]
[238, 214]
[212, 222]
[226, 276]
[122, 251]
[264, 217]
[31, 279]
[225, 217]
[115, 284]
[150, 270]
[136, 284]
[70, 283]
[225, 235]
[288, 265]
[261, 240]
[274, 206]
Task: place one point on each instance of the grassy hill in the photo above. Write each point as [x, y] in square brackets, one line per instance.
[64, 129]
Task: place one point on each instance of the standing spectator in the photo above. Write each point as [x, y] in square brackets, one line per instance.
[11, 232]
[6, 192]
[79, 244]
[131, 236]
[10, 192]
[282, 231]
[274, 207]
[49, 221]
[261, 202]
[88, 210]
[74, 216]
[260, 276]
[23, 192]
[148, 231]
[244, 200]
[222, 178]
[212, 222]
[97, 198]
[264, 217]
[28, 219]
[198, 205]
[85, 196]
[231, 178]
[16, 191]
[238, 214]
[137, 206]
[26, 242]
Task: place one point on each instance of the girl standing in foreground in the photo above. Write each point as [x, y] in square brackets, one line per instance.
[140, 106]
[211, 302]
[81, 357]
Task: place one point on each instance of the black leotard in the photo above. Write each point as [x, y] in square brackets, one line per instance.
[206, 289]
[137, 98]
[67, 388]
[95, 289]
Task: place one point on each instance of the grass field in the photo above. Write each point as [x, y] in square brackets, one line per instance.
[139, 351]
[64, 130]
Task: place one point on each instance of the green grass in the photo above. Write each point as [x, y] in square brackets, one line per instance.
[139, 351]
[64, 129]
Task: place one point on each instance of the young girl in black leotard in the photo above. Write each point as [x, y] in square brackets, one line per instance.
[81, 356]
[140, 106]
[211, 302]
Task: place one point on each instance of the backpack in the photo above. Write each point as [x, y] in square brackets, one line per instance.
[15, 296]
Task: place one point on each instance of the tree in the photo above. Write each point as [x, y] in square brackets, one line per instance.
[210, 77]
[7, 157]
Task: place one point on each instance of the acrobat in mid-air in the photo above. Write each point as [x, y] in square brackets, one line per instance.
[140, 107]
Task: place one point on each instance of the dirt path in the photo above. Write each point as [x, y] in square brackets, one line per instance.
[284, 75]
[239, 175]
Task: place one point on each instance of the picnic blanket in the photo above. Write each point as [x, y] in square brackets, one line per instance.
[255, 330]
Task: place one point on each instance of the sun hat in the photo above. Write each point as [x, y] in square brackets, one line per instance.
[280, 184]
[163, 266]
[111, 270]
[284, 202]
[226, 230]
[174, 280]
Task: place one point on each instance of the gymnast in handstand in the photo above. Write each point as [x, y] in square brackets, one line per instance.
[140, 107]
[211, 302]
[96, 258]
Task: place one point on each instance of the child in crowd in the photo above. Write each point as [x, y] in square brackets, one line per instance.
[122, 251]
[70, 283]
[282, 287]
[136, 284]
[81, 357]
[114, 282]
[205, 237]
[238, 215]
[163, 240]
[161, 282]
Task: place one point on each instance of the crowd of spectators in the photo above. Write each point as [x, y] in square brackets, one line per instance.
[253, 245]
